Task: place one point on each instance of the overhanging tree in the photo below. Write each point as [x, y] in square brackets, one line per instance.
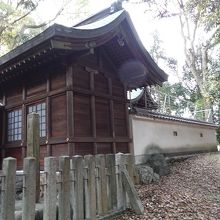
[179, 96]
[17, 24]
[199, 22]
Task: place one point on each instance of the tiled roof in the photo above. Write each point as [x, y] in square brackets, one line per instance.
[150, 114]
[115, 32]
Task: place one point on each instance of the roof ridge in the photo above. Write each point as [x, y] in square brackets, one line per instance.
[147, 113]
[115, 7]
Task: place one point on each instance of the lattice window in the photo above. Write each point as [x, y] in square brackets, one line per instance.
[41, 110]
[14, 125]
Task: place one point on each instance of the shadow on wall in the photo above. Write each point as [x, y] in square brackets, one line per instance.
[154, 158]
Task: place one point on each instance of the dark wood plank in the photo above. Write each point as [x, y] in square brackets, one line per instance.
[101, 83]
[120, 120]
[59, 150]
[24, 122]
[84, 148]
[57, 80]
[86, 110]
[81, 78]
[104, 148]
[4, 121]
[70, 112]
[93, 110]
[103, 121]
[34, 99]
[13, 95]
[48, 117]
[58, 116]
[36, 84]
[82, 115]
[16, 153]
[3, 134]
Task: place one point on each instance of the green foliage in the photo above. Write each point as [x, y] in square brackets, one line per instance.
[209, 11]
[178, 98]
[178, 95]
[15, 23]
[159, 55]
[199, 22]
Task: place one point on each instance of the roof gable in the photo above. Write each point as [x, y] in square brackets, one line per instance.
[115, 32]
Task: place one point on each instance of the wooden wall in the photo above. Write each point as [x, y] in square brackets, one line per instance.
[1, 129]
[86, 111]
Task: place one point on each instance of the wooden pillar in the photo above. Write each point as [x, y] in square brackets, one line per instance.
[48, 121]
[4, 126]
[24, 122]
[111, 103]
[70, 114]
[92, 87]
[128, 125]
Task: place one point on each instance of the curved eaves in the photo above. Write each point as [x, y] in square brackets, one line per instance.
[146, 57]
[60, 31]
[111, 24]
[93, 30]
[100, 32]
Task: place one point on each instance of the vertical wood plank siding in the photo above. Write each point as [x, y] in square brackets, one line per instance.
[70, 113]
[86, 111]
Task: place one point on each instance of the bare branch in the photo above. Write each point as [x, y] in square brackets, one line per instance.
[183, 35]
[18, 19]
[195, 28]
[26, 14]
[204, 62]
[214, 39]
[51, 20]
[18, 4]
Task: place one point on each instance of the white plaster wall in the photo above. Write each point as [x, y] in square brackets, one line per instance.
[148, 131]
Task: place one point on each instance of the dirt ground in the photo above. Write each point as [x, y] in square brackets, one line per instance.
[190, 191]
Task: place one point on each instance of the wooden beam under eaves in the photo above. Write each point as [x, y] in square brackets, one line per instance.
[103, 55]
[61, 45]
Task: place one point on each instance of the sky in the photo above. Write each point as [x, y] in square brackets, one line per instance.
[143, 22]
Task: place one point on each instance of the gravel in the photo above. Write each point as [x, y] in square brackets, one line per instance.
[190, 191]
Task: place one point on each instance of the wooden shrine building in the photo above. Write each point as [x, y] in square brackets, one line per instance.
[77, 79]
